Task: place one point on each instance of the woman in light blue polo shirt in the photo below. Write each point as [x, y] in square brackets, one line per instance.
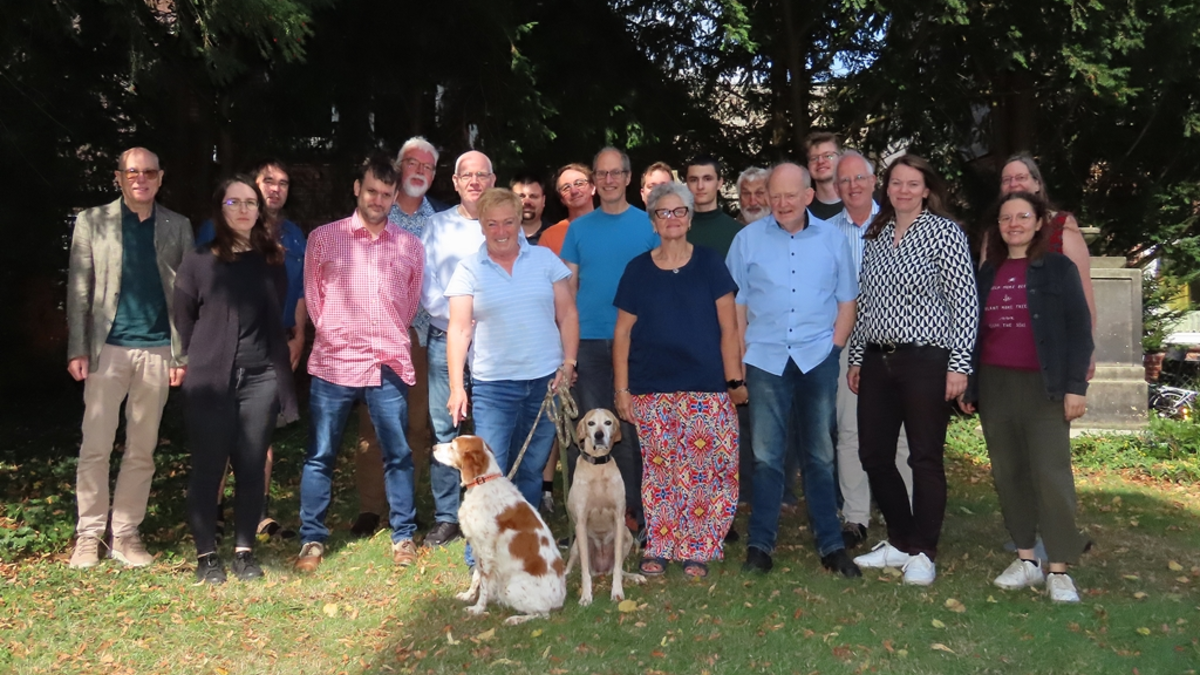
[511, 303]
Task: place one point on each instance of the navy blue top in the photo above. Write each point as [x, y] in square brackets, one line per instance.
[141, 319]
[294, 244]
[675, 344]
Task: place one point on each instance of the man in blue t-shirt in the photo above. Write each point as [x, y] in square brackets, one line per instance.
[273, 182]
[598, 247]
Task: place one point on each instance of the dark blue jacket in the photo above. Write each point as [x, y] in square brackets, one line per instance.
[1062, 325]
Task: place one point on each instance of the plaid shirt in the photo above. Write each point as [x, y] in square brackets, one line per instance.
[362, 294]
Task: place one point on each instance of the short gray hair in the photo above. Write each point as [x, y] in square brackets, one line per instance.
[855, 153]
[418, 143]
[663, 190]
[624, 158]
[754, 174]
[458, 162]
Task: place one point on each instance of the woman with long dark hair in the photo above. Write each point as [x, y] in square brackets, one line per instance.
[228, 300]
[910, 353]
[1030, 381]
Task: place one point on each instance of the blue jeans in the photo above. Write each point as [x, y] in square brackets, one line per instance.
[771, 402]
[330, 407]
[443, 479]
[504, 412]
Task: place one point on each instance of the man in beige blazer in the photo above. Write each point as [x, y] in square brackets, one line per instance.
[122, 344]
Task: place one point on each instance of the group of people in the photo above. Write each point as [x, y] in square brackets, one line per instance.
[820, 331]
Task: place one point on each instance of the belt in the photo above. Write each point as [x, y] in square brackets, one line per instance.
[893, 347]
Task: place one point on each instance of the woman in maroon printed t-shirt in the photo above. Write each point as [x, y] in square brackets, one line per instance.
[1031, 365]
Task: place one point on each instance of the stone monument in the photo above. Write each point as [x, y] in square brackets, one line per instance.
[1117, 394]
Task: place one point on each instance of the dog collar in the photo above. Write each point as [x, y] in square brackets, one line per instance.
[595, 460]
[482, 479]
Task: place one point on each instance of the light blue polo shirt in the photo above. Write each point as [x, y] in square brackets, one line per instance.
[516, 337]
[791, 285]
[602, 245]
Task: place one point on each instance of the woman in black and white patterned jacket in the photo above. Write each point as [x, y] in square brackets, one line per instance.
[910, 353]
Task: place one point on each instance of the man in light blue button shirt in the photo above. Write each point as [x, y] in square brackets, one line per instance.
[797, 288]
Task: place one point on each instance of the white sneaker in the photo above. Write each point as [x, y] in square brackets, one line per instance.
[1020, 574]
[919, 570]
[1061, 588]
[883, 555]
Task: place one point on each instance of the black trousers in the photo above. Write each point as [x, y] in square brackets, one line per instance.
[907, 386]
[232, 426]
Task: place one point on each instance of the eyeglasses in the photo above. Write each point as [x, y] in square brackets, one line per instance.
[615, 173]
[149, 174]
[856, 180]
[566, 187]
[239, 204]
[677, 212]
[478, 175]
[1019, 178]
[418, 164]
[1020, 218]
[829, 157]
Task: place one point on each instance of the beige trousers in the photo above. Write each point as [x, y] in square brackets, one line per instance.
[143, 377]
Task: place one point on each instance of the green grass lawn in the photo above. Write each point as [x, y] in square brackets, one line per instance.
[360, 614]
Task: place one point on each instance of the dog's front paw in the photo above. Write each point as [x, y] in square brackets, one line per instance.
[585, 599]
[467, 596]
[635, 578]
[477, 610]
[618, 594]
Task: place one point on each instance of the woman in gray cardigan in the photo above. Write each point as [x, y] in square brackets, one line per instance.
[228, 296]
[1031, 364]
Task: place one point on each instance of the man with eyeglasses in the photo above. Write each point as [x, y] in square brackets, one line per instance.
[362, 282]
[856, 185]
[711, 226]
[597, 249]
[795, 304]
[122, 344]
[532, 192]
[450, 236]
[823, 151]
[752, 195]
[573, 183]
[417, 164]
[271, 176]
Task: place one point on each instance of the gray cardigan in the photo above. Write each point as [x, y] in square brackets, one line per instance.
[208, 328]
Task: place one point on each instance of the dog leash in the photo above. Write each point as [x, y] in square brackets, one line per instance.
[561, 407]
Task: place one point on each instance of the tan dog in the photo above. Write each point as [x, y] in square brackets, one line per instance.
[597, 506]
[516, 561]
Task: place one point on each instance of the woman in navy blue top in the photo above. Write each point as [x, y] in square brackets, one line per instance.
[677, 374]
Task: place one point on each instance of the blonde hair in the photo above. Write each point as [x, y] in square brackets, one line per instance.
[497, 197]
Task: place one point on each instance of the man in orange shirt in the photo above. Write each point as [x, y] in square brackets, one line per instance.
[574, 186]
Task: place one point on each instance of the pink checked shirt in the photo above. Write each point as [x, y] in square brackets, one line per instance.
[362, 294]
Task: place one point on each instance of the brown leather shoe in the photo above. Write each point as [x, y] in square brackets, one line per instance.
[310, 557]
[404, 552]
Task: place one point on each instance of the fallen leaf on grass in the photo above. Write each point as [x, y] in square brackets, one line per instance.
[505, 662]
[937, 624]
[1141, 595]
[536, 633]
[1143, 631]
[955, 606]
[627, 606]
[450, 638]
[330, 609]
[1183, 580]
[991, 599]
[937, 646]
[486, 635]
[1174, 566]
[1131, 577]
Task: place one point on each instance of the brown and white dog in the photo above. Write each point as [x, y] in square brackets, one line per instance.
[596, 505]
[516, 561]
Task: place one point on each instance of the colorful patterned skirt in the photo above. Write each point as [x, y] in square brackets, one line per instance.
[689, 472]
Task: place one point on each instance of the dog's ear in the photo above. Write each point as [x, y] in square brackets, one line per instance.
[472, 456]
[616, 437]
[579, 429]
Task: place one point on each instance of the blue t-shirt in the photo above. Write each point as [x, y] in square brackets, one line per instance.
[602, 245]
[675, 344]
[516, 335]
[294, 245]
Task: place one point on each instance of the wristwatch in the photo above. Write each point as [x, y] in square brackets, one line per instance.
[735, 384]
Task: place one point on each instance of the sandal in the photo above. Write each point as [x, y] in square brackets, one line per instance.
[695, 569]
[653, 567]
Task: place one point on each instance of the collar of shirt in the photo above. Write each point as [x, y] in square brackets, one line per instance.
[415, 222]
[844, 218]
[127, 212]
[359, 228]
[523, 248]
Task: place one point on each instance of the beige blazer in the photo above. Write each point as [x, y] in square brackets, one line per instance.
[94, 277]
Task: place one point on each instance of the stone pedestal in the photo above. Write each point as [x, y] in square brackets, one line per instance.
[1117, 394]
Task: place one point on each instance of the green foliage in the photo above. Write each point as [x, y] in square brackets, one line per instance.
[1161, 309]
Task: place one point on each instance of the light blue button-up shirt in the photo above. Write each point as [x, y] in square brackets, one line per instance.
[791, 285]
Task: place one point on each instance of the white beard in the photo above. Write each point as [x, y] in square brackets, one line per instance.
[414, 191]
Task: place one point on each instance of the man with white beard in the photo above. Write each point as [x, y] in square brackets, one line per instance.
[752, 195]
[417, 163]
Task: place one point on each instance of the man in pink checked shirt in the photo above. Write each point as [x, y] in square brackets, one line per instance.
[362, 283]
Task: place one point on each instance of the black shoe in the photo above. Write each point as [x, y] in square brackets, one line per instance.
[841, 563]
[853, 535]
[244, 567]
[209, 569]
[442, 534]
[564, 543]
[365, 525]
[757, 560]
[732, 536]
